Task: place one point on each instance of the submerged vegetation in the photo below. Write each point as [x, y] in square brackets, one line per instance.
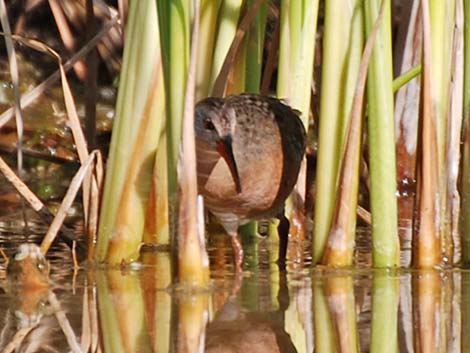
[383, 88]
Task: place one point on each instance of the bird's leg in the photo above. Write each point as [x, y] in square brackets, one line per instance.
[283, 231]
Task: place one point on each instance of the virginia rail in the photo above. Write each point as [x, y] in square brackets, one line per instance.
[249, 149]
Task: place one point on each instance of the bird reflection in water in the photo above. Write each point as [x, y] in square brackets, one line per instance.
[235, 329]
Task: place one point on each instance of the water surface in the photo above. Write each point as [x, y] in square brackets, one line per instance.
[302, 309]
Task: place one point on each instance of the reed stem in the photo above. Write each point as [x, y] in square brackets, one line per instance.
[382, 140]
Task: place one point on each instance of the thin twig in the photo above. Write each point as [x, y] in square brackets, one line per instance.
[94, 204]
[67, 36]
[74, 255]
[67, 202]
[21, 187]
[31, 198]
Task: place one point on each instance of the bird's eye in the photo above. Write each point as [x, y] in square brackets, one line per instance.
[208, 125]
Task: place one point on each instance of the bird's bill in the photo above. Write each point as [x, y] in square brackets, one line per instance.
[224, 147]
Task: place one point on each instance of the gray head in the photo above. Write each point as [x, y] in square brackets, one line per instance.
[214, 120]
[215, 124]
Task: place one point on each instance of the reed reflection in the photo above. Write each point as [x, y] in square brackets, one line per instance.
[300, 309]
[436, 311]
[390, 311]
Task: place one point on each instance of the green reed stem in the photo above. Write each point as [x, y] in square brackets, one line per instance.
[174, 17]
[295, 77]
[207, 35]
[406, 77]
[342, 49]
[382, 141]
[296, 52]
[254, 49]
[138, 116]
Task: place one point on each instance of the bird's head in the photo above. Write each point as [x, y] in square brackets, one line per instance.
[215, 124]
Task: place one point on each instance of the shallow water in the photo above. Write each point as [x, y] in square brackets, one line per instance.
[303, 309]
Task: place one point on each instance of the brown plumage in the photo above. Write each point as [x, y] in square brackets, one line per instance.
[249, 150]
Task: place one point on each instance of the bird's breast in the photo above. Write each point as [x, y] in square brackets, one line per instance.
[260, 169]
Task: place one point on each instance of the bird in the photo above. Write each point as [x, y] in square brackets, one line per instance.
[249, 149]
